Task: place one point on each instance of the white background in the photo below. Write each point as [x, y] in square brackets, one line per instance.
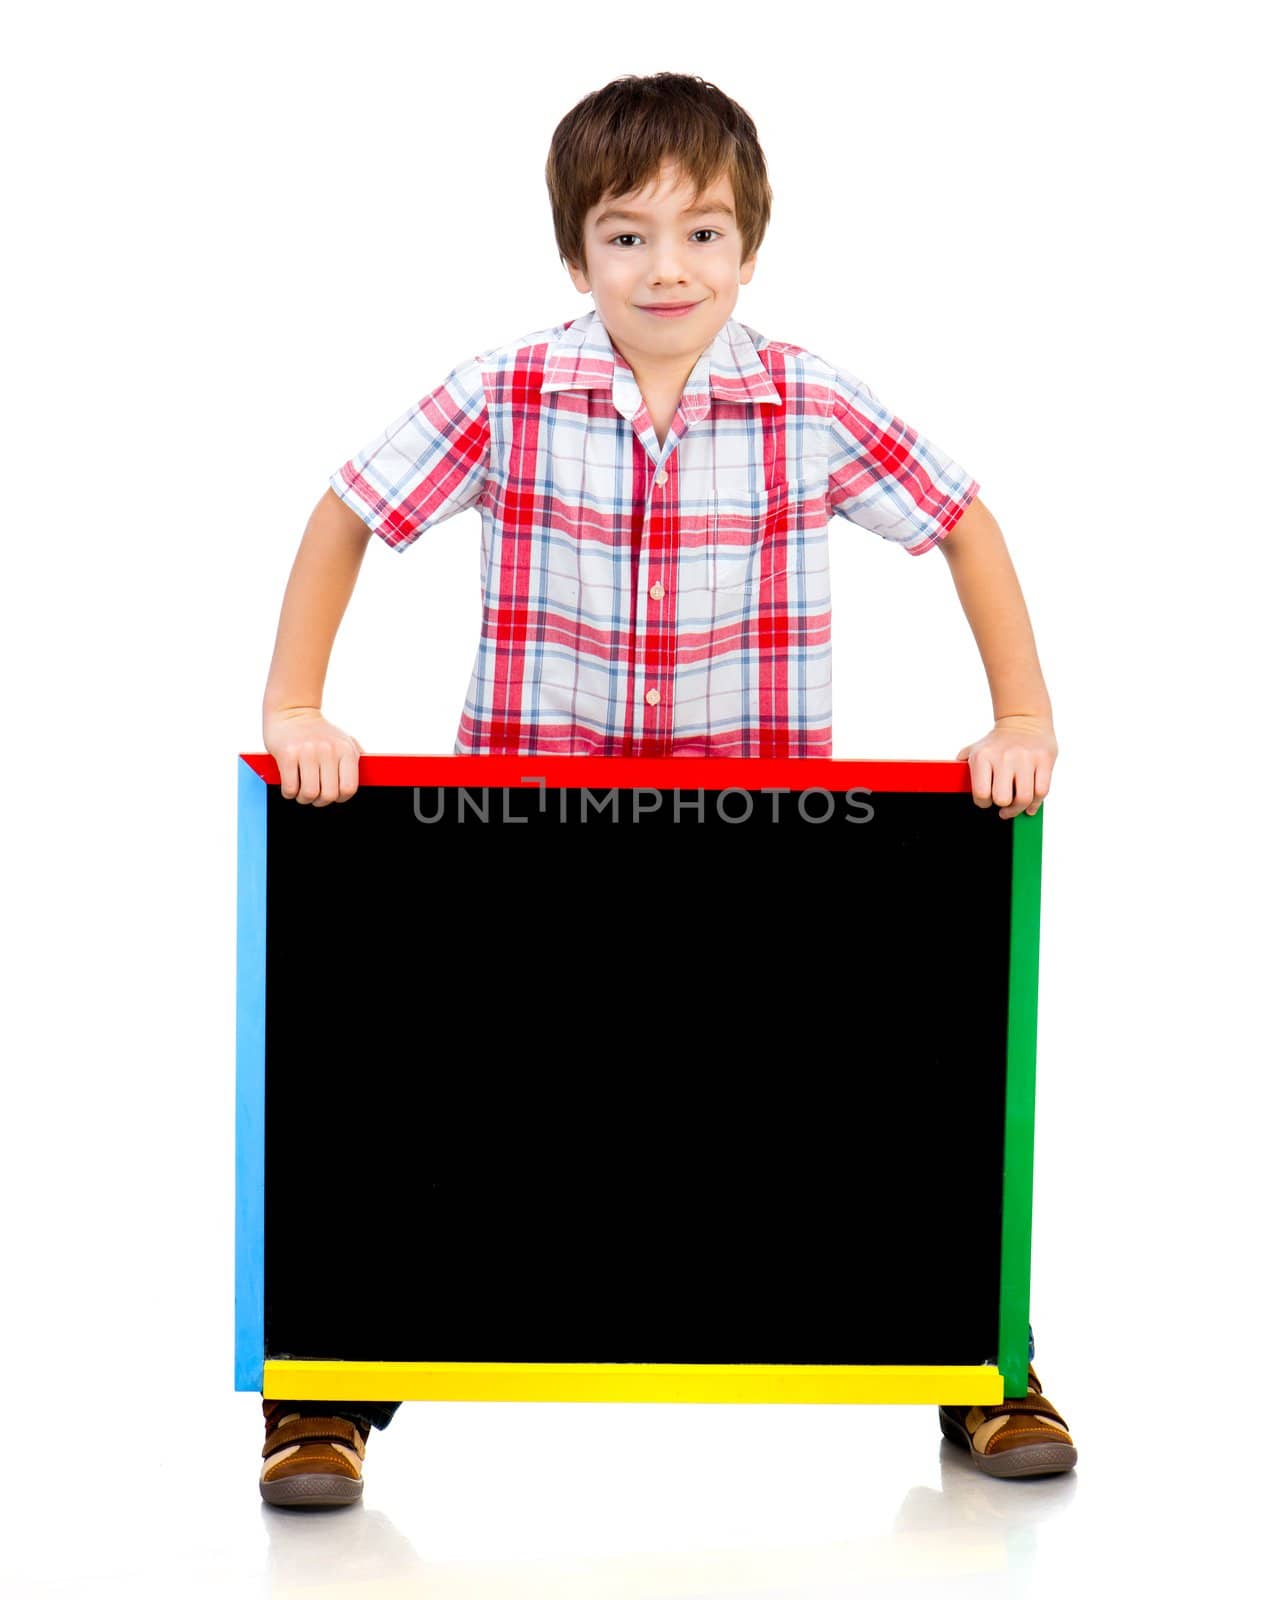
[243, 239]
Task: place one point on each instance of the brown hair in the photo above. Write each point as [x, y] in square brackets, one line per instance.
[617, 139]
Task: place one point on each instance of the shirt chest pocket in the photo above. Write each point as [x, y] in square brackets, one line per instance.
[746, 540]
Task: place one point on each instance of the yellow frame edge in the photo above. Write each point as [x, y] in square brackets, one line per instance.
[639, 1381]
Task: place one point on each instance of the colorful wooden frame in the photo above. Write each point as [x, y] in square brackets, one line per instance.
[1005, 1375]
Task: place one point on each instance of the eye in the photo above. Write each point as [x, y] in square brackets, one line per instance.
[618, 236]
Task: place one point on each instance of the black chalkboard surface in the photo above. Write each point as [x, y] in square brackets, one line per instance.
[648, 1070]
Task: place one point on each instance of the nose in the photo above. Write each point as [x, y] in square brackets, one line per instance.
[675, 278]
[669, 265]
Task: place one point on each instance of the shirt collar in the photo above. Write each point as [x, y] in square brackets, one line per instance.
[729, 368]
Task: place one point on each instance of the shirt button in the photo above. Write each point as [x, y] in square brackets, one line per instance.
[653, 697]
[660, 478]
[656, 592]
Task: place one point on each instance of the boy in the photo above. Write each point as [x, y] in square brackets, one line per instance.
[655, 481]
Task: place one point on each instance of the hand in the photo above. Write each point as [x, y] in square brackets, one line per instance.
[1010, 767]
[318, 762]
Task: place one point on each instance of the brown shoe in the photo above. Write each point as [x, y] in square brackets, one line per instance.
[311, 1461]
[1015, 1439]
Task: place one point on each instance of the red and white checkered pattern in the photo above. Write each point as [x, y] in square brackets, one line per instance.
[642, 599]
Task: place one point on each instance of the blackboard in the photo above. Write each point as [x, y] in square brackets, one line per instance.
[651, 1079]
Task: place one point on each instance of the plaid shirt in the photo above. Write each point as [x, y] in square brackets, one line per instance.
[646, 599]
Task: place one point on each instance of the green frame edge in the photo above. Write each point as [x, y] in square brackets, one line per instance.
[1020, 1102]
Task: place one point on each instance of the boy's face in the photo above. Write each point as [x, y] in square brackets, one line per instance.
[664, 254]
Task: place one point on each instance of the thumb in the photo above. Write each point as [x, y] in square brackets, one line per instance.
[963, 755]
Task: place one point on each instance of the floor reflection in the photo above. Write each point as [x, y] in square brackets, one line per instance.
[968, 1527]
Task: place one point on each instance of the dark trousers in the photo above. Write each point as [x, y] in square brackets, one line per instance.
[368, 1414]
[365, 1414]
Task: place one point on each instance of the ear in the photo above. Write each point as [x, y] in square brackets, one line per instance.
[747, 270]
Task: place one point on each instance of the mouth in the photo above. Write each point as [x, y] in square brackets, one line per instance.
[666, 310]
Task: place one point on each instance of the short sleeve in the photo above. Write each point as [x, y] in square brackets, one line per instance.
[428, 465]
[884, 476]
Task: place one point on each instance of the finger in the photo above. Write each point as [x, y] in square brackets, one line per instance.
[287, 763]
[1043, 772]
[328, 775]
[980, 778]
[308, 774]
[348, 773]
[1024, 783]
[1002, 779]
[963, 755]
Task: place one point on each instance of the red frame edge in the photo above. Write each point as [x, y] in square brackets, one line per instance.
[653, 772]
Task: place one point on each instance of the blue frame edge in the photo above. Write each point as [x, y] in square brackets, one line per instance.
[251, 972]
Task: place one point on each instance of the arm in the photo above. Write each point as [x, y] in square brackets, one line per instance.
[318, 762]
[1011, 766]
